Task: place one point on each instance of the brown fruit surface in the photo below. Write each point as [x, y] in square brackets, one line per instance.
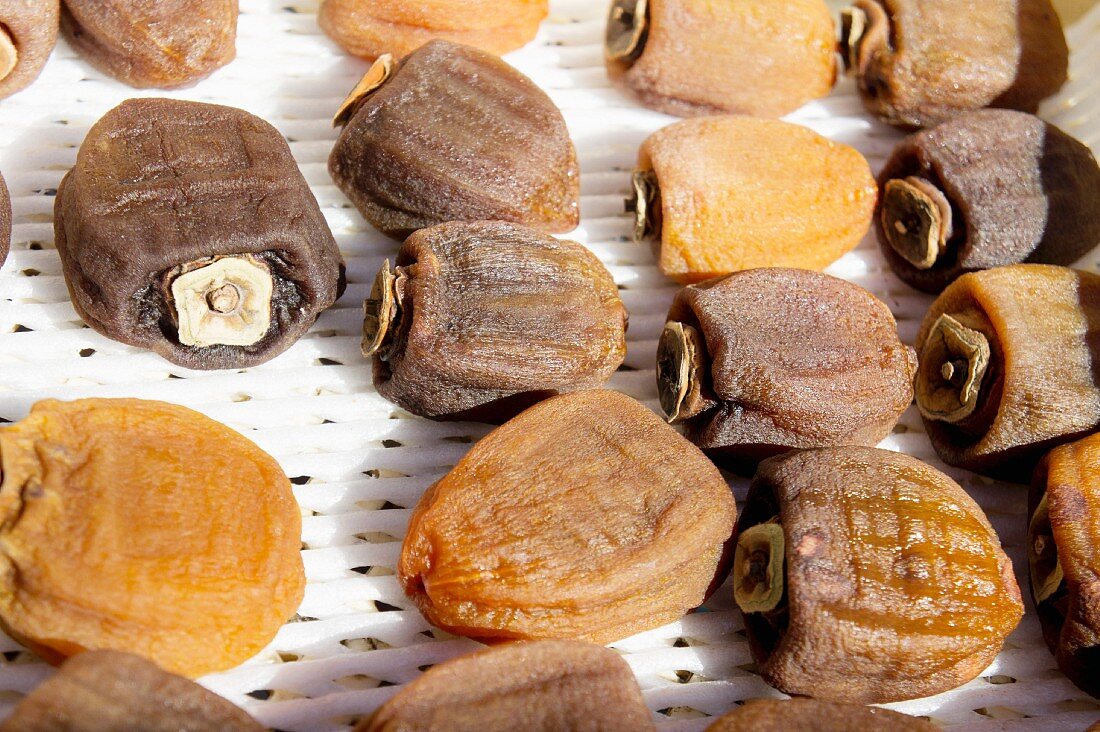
[1018, 189]
[1069, 478]
[756, 57]
[111, 691]
[896, 586]
[370, 28]
[456, 134]
[493, 317]
[811, 715]
[161, 186]
[725, 182]
[537, 686]
[29, 32]
[153, 43]
[585, 517]
[922, 62]
[5, 221]
[145, 527]
[1042, 324]
[793, 359]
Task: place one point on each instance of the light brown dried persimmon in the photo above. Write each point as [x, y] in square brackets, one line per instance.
[111, 691]
[585, 517]
[370, 28]
[145, 527]
[810, 715]
[537, 686]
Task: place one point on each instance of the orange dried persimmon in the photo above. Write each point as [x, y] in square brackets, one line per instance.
[145, 527]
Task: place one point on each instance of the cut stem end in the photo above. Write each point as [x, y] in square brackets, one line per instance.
[380, 312]
[758, 580]
[1042, 555]
[627, 26]
[645, 204]
[916, 218]
[953, 365]
[378, 74]
[224, 301]
[681, 365]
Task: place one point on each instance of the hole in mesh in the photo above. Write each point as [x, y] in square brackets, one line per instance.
[35, 246]
[328, 362]
[358, 681]
[1000, 713]
[301, 619]
[750, 668]
[682, 713]
[46, 191]
[85, 352]
[17, 328]
[31, 272]
[261, 694]
[365, 644]
[384, 473]
[1000, 679]
[385, 607]
[346, 720]
[624, 368]
[437, 634]
[288, 656]
[20, 657]
[373, 571]
[241, 397]
[390, 443]
[376, 537]
[460, 439]
[301, 479]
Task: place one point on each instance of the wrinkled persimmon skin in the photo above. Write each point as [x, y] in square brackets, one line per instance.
[536, 686]
[797, 359]
[585, 517]
[896, 584]
[810, 715]
[1070, 478]
[938, 58]
[111, 691]
[153, 43]
[496, 317]
[755, 57]
[408, 160]
[32, 26]
[370, 28]
[196, 523]
[1025, 191]
[1043, 324]
[726, 181]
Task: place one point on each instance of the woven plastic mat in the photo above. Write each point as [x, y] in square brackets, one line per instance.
[359, 464]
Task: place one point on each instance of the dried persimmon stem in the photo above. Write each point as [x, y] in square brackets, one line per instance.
[1042, 555]
[916, 218]
[758, 581]
[645, 204]
[853, 25]
[378, 74]
[627, 26]
[680, 370]
[379, 313]
[954, 361]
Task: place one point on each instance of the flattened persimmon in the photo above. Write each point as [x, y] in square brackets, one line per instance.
[145, 527]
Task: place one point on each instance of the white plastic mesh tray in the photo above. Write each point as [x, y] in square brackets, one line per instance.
[359, 464]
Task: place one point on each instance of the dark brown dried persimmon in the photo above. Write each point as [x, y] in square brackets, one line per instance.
[811, 715]
[145, 527]
[921, 62]
[28, 32]
[153, 43]
[699, 57]
[481, 320]
[782, 359]
[451, 133]
[536, 686]
[188, 229]
[585, 517]
[983, 190]
[893, 583]
[1063, 543]
[370, 28]
[112, 691]
[1009, 364]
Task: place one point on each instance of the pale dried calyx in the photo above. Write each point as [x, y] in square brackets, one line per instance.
[681, 370]
[645, 204]
[378, 74]
[627, 25]
[953, 364]
[380, 313]
[1042, 555]
[224, 302]
[9, 54]
[758, 567]
[864, 27]
[917, 220]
